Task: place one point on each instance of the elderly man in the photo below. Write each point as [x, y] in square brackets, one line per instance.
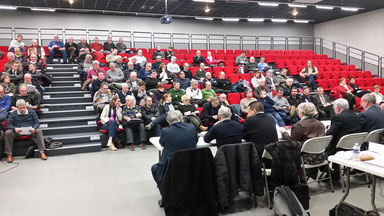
[82, 45]
[225, 131]
[102, 97]
[281, 103]
[136, 65]
[289, 85]
[242, 59]
[209, 78]
[121, 47]
[271, 80]
[33, 85]
[145, 72]
[23, 121]
[11, 61]
[114, 75]
[133, 81]
[140, 58]
[37, 50]
[372, 117]
[262, 66]
[72, 49]
[92, 72]
[124, 93]
[198, 59]
[33, 59]
[84, 67]
[17, 43]
[262, 87]
[178, 136]
[32, 100]
[112, 57]
[84, 54]
[158, 53]
[200, 74]
[15, 73]
[251, 65]
[130, 68]
[133, 119]
[108, 45]
[57, 47]
[324, 103]
[194, 92]
[176, 92]
[96, 46]
[150, 113]
[172, 66]
[120, 64]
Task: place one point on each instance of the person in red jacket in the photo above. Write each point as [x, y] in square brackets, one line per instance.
[346, 92]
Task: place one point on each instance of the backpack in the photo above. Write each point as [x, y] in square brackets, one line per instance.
[286, 203]
[346, 209]
[51, 144]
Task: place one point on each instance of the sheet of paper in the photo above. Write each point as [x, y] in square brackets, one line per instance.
[25, 131]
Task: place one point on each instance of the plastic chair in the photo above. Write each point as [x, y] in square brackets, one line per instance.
[317, 145]
[266, 172]
[374, 136]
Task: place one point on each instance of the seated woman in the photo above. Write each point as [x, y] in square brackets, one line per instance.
[157, 93]
[110, 117]
[257, 78]
[208, 91]
[377, 94]
[133, 120]
[310, 73]
[9, 88]
[356, 89]
[165, 76]
[244, 103]
[211, 61]
[269, 109]
[346, 92]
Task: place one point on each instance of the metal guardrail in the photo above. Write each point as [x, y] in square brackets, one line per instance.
[350, 55]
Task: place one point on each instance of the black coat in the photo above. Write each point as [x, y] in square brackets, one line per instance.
[209, 111]
[225, 132]
[261, 130]
[237, 167]
[149, 112]
[371, 119]
[344, 123]
[198, 60]
[188, 186]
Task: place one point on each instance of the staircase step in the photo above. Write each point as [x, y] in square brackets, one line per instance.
[68, 106]
[63, 70]
[58, 100]
[68, 139]
[66, 83]
[69, 130]
[68, 121]
[49, 66]
[63, 88]
[66, 113]
[58, 74]
[65, 78]
[67, 94]
[73, 149]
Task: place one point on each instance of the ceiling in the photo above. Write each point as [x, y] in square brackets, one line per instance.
[221, 8]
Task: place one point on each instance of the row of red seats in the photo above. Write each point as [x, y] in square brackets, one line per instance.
[234, 52]
[319, 63]
[329, 84]
[345, 74]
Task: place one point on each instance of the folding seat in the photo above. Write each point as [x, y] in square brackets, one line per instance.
[151, 51]
[176, 51]
[294, 52]
[263, 52]
[337, 62]
[189, 56]
[220, 56]
[323, 56]
[229, 52]
[145, 51]
[268, 58]
[288, 62]
[248, 53]
[297, 61]
[367, 74]
[360, 82]
[209, 69]
[213, 51]
[377, 81]
[316, 56]
[246, 76]
[238, 52]
[344, 74]
[323, 83]
[242, 95]
[178, 62]
[233, 78]
[302, 52]
[287, 52]
[293, 70]
[279, 52]
[190, 62]
[277, 57]
[305, 61]
[193, 70]
[343, 67]
[335, 75]
[336, 67]
[217, 70]
[308, 56]
[293, 56]
[300, 56]
[229, 63]
[368, 82]
[319, 67]
[332, 83]
[233, 98]
[382, 82]
[329, 61]
[328, 68]
[255, 53]
[220, 51]
[280, 63]
[229, 70]
[179, 56]
[203, 52]
[351, 67]
[351, 73]
[358, 103]
[310, 52]
[183, 51]
[229, 57]
[359, 74]
[315, 62]
[326, 75]
[192, 51]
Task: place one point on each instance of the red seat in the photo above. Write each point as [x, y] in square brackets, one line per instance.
[229, 52]
[220, 51]
[377, 81]
[344, 74]
[234, 98]
[200, 109]
[337, 62]
[368, 82]
[194, 69]
[23, 138]
[358, 104]
[351, 73]
[343, 67]
[335, 75]
[229, 70]
[233, 78]
[213, 51]
[323, 83]
[246, 76]
[183, 51]
[351, 67]
[359, 74]
[367, 74]
[360, 82]
[332, 83]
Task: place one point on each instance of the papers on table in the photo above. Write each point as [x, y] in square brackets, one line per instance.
[25, 131]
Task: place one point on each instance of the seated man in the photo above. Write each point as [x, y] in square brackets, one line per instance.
[84, 54]
[31, 99]
[114, 75]
[200, 74]
[145, 72]
[169, 53]
[35, 73]
[33, 86]
[36, 50]
[271, 80]
[178, 136]
[17, 43]
[72, 49]
[262, 66]
[283, 76]
[19, 56]
[120, 64]
[225, 131]
[294, 99]
[152, 81]
[124, 93]
[5, 100]
[306, 96]
[259, 127]
[235, 108]
[194, 92]
[223, 83]
[11, 61]
[112, 57]
[269, 109]
[140, 93]
[102, 97]
[324, 103]
[281, 103]
[251, 65]
[121, 47]
[209, 78]
[187, 71]
[372, 117]
[34, 60]
[289, 85]
[208, 92]
[15, 73]
[263, 87]
[133, 119]
[133, 81]
[209, 114]
[184, 82]
[242, 59]
[23, 121]
[84, 67]
[109, 45]
[172, 66]
[158, 53]
[141, 60]
[82, 45]
[156, 65]
[57, 47]
[96, 47]
[130, 68]
[136, 65]
[150, 113]
[176, 92]
[96, 83]
[198, 59]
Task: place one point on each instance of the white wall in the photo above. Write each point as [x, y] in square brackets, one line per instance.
[363, 31]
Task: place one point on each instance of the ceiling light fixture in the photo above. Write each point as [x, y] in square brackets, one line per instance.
[270, 4]
[279, 20]
[301, 21]
[297, 5]
[204, 18]
[324, 7]
[70, 1]
[349, 9]
[6, 7]
[230, 19]
[255, 19]
[206, 1]
[44, 9]
[207, 9]
[295, 12]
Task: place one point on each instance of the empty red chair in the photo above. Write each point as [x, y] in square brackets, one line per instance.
[229, 63]
[335, 75]
[255, 53]
[359, 74]
[287, 52]
[192, 51]
[377, 81]
[229, 70]
[233, 98]
[358, 104]
[288, 62]
[367, 74]
[351, 67]
[246, 76]
[294, 52]
[193, 70]
[322, 62]
[326, 75]
[368, 82]
[220, 51]
[323, 83]
[233, 78]
[344, 74]
[328, 68]
[343, 67]
[332, 83]
[183, 51]
[360, 82]
[323, 56]
[337, 62]
[351, 73]
[316, 56]
[229, 52]
[297, 61]
[329, 61]
[336, 67]
[220, 56]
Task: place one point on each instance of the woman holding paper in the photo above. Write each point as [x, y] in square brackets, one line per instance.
[110, 118]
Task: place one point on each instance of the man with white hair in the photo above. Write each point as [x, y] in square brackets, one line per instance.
[57, 47]
[82, 45]
[23, 121]
[130, 68]
[172, 66]
[158, 53]
[121, 47]
[209, 78]
[124, 93]
[72, 49]
[140, 58]
[133, 119]
[108, 45]
[37, 50]
[136, 65]
[114, 75]
[372, 117]
[271, 80]
[178, 136]
[225, 131]
[33, 59]
[251, 65]
[84, 67]
[344, 122]
[133, 81]
[11, 60]
[31, 99]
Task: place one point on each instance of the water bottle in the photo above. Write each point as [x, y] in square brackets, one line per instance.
[356, 152]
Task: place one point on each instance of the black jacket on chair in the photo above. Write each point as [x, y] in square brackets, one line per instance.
[188, 186]
[371, 119]
[344, 123]
[237, 167]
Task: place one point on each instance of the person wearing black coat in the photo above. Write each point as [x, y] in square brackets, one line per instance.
[237, 167]
[209, 113]
[344, 122]
[372, 117]
[259, 127]
[198, 59]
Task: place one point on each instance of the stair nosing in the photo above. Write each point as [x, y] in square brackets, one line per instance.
[78, 145]
[74, 81]
[66, 127]
[64, 111]
[50, 120]
[67, 92]
[74, 135]
[58, 98]
[67, 104]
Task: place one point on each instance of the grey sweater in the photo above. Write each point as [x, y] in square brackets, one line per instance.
[115, 76]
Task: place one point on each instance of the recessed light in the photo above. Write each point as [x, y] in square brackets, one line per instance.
[295, 12]
[70, 1]
[6, 7]
[44, 9]
[230, 19]
[279, 20]
[324, 7]
[270, 4]
[207, 9]
[349, 9]
[206, 1]
[301, 21]
[297, 5]
[204, 18]
[255, 20]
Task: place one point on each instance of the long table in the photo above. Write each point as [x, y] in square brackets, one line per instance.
[375, 170]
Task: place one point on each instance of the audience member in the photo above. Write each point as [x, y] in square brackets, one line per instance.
[34, 73]
[112, 57]
[372, 117]
[198, 59]
[31, 99]
[114, 75]
[19, 119]
[184, 82]
[251, 65]
[289, 85]
[109, 45]
[200, 73]
[235, 108]
[187, 72]
[263, 87]
[282, 77]
[269, 109]
[102, 97]
[172, 66]
[262, 66]
[346, 92]
[82, 45]
[151, 81]
[194, 92]
[281, 103]
[208, 91]
[257, 79]
[72, 49]
[324, 103]
[19, 56]
[124, 93]
[259, 127]
[225, 131]
[294, 99]
[157, 93]
[92, 72]
[122, 65]
[9, 88]
[121, 47]
[176, 92]
[140, 94]
[136, 65]
[209, 113]
[110, 118]
[242, 59]
[141, 60]
[186, 108]
[165, 76]
[356, 89]
[95, 86]
[57, 47]
[11, 61]
[223, 83]
[306, 96]
[271, 80]
[169, 53]
[248, 99]
[150, 113]
[84, 54]
[37, 50]
[33, 86]
[132, 120]
[310, 73]
[34, 60]
[158, 53]
[96, 47]
[15, 73]
[129, 70]
[17, 43]
[156, 65]
[5, 100]
[377, 94]
[211, 61]
[84, 67]
[133, 81]
[145, 72]
[209, 78]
